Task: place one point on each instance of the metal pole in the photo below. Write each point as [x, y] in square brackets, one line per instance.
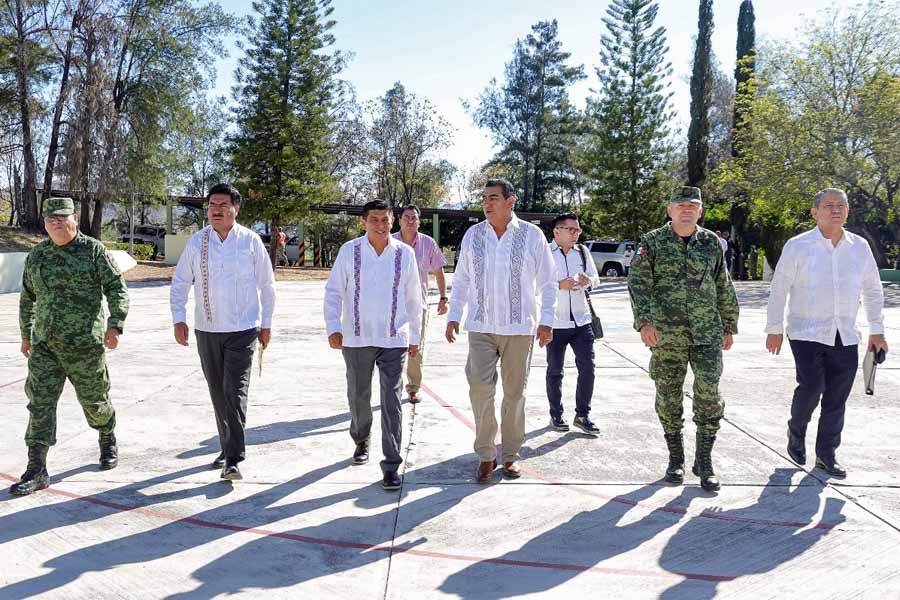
[131, 237]
[436, 228]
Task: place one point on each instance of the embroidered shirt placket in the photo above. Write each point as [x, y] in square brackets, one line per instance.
[204, 275]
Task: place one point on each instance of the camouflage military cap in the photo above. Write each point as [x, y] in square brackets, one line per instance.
[685, 193]
[58, 206]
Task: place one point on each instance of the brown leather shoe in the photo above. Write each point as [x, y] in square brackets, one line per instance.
[414, 398]
[511, 470]
[486, 471]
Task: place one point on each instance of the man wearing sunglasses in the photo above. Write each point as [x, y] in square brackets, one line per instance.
[576, 273]
[64, 335]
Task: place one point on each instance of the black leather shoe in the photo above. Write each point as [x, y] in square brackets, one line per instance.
[558, 424]
[219, 462]
[391, 481]
[587, 426]
[831, 466]
[231, 471]
[796, 448]
[361, 454]
[109, 452]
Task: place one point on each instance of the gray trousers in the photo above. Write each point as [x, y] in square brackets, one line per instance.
[361, 362]
[227, 359]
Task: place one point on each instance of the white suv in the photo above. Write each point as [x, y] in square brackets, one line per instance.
[609, 256]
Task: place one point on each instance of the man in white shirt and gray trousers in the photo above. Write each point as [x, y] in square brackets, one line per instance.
[373, 314]
[504, 263]
[234, 298]
[825, 272]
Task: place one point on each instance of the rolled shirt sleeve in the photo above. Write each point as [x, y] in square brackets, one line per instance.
[182, 280]
[265, 282]
[547, 284]
[26, 303]
[462, 280]
[335, 289]
[412, 292]
[873, 295]
[782, 281]
[114, 288]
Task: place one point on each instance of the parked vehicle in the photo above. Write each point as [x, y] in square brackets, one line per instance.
[609, 256]
[152, 235]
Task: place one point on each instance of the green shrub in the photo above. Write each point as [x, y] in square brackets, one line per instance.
[141, 251]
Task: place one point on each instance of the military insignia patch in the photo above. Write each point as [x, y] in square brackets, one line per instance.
[637, 257]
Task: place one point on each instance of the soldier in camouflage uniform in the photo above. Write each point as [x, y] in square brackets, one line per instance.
[686, 310]
[63, 335]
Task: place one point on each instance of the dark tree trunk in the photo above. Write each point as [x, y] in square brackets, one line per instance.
[30, 220]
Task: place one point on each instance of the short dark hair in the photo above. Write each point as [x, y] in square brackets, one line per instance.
[410, 207]
[564, 217]
[376, 205]
[225, 188]
[508, 189]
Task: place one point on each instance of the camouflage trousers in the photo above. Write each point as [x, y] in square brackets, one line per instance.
[48, 368]
[668, 368]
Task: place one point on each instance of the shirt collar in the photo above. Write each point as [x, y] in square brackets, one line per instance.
[399, 236]
[675, 235]
[845, 239]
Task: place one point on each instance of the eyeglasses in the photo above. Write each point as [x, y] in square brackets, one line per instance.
[410, 218]
[571, 229]
[56, 218]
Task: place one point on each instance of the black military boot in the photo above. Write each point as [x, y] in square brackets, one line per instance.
[35, 476]
[675, 470]
[703, 467]
[109, 453]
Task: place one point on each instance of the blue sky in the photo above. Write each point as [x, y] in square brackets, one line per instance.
[447, 50]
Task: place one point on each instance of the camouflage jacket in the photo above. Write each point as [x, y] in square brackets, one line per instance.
[63, 289]
[683, 290]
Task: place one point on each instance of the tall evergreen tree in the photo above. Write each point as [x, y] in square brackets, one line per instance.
[701, 92]
[285, 89]
[629, 121]
[530, 117]
[743, 74]
[746, 62]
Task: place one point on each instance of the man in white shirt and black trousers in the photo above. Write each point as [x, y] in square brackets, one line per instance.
[373, 314]
[234, 296]
[504, 263]
[824, 271]
[577, 273]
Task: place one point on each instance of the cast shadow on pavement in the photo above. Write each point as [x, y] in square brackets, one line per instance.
[596, 538]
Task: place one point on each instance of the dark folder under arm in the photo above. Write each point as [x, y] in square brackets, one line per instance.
[870, 365]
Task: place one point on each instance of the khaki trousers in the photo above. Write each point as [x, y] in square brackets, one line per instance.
[514, 354]
[414, 365]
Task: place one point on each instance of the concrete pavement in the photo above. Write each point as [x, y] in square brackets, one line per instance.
[589, 516]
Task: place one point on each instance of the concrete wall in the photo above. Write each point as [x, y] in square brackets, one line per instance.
[11, 266]
[13, 263]
[175, 244]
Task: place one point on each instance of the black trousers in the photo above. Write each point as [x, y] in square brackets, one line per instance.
[227, 359]
[582, 341]
[825, 372]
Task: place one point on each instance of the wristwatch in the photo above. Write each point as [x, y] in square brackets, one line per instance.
[444, 299]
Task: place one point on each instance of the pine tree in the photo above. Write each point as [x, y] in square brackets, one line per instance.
[280, 151]
[701, 90]
[629, 121]
[746, 62]
[531, 119]
[743, 75]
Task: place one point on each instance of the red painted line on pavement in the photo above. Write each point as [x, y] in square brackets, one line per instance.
[13, 382]
[678, 511]
[370, 547]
